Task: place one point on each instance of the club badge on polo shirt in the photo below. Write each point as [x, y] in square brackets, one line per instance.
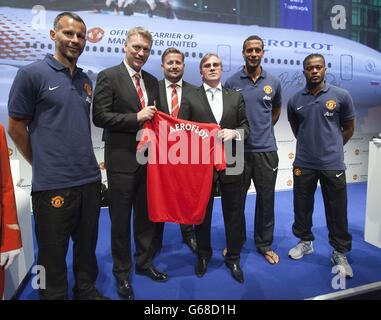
[330, 105]
[57, 202]
[268, 90]
[88, 91]
[297, 172]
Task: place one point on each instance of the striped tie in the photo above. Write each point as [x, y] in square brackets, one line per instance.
[175, 101]
[139, 90]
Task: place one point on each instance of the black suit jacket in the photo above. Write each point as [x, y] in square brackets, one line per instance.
[163, 105]
[115, 107]
[196, 108]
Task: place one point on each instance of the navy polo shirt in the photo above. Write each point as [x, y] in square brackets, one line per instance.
[260, 99]
[318, 121]
[58, 107]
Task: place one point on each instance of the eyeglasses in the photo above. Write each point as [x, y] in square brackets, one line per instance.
[210, 65]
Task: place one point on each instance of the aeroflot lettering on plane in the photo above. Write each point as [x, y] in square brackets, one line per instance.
[298, 44]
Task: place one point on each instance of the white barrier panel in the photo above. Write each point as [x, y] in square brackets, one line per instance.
[373, 199]
[16, 273]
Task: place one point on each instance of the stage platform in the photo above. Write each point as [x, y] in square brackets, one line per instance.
[308, 278]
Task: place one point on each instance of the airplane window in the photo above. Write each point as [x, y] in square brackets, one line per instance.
[292, 62]
[116, 50]
[159, 52]
[94, 49]
[200, 55]
[186, 54]
[297, 62]
[329, 65]
[285, 61]
[266, 60]
[279, 61]
[42, 45]
[193, 55]
[272, 60]
[87, 48]
[27, 44]
[101, 49]
[50, 46]
[123, 50]
[109, 49]
[35, 45]
[152, 51]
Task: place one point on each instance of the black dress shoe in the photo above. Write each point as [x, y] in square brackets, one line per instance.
[191, 243]
[152, 273]
[201, 267]
[235, 271]
[124, 290]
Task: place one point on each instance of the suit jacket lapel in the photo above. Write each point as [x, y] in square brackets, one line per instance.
[130, 89]
[163, 97]
[225, 104]
[205, 101]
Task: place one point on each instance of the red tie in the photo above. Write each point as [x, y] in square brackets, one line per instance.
[175, 101]
[139, 90]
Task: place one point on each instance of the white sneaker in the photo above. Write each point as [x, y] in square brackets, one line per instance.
[343, 267]
[302, 248]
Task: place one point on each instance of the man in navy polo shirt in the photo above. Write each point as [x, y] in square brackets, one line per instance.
[262, 94]
[322, 119]
[49, 105]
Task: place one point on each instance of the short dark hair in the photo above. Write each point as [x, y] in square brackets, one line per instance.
[311, 56]
[171, 50]
[72, 15]
[250, 38]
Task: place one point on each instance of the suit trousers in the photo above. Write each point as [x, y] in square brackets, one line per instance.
[187, 231]
[231, 200]
[262, 168]
[59, 215]
[127, 191]
[334, 190]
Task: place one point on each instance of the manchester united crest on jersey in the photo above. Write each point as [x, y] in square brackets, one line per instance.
[57, 201]
[268, 89]
[330, 105]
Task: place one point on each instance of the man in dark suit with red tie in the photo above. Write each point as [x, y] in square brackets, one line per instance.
[172, 90]
[124, 98]
[212, 103]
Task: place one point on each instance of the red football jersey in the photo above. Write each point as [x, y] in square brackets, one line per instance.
[10, 237]
[181, 162]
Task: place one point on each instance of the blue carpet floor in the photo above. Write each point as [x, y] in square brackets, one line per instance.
[305, 278]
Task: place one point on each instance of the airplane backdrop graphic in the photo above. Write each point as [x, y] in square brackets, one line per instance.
[24, 37]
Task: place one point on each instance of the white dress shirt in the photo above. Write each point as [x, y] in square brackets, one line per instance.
[214, 96]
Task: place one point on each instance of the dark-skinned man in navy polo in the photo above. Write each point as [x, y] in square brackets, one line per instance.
[322, 119]
[262, 94]
[49, 106]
